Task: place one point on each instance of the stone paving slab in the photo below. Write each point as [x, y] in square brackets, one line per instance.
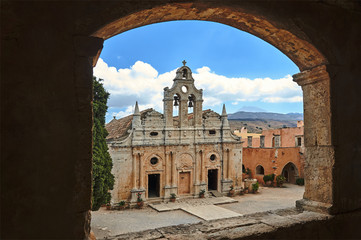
[210, 212]
[170, 206]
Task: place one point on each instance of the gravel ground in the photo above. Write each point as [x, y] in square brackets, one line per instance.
[111, 223]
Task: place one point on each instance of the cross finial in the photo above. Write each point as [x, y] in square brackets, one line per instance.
[184, 62]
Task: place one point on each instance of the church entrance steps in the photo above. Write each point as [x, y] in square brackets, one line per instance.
[215, 193]
[211, 212]
[184, 203]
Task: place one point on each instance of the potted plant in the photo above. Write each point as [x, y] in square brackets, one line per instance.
[201, 193]
[108, 206]
[246, 190]
[255, 187]
[173, 197]
[121, 205]
[140, 201]
[231, 191]
[280, 180]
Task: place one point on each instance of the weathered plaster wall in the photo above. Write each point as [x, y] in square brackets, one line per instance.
[46, 69]
[273, 160]
[287, 136]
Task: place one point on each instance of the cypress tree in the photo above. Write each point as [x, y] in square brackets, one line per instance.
[103, 180]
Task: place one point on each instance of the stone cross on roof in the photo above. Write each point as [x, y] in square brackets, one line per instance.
[184, 62]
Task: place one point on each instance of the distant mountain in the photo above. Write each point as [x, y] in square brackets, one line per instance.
[242, 115]
[251, 109]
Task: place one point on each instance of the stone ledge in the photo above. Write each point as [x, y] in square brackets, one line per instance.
[245, 227]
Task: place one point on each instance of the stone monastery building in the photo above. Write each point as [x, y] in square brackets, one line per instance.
[275, 151]
[159, 154]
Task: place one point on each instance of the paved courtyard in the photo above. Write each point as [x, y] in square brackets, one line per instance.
[111, 223]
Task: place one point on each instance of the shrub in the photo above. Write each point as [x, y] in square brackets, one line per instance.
[248, 171]
[121, 203]
[255, 187]
[266, 178]
[173, 195]
[269, 177]
[280, 180]
[300, 181]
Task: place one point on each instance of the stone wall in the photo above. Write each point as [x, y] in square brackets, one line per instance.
[273, 160]
[47, 53]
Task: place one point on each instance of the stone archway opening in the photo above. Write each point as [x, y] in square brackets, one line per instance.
[313, 77]
[290, 172]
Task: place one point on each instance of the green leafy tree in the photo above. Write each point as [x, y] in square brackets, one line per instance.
[103, 180]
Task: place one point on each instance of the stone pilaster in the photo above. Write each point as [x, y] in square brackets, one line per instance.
[141, 171]
[319, 151]
[183, 113]
[229, 166]
[173, 170]
[134, 170]
[168, 109]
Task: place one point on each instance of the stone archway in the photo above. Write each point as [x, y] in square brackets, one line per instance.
[290, 172]
[52, 148]
[313, 77]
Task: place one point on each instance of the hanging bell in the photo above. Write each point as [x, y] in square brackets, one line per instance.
[176, 103]
[190, 104]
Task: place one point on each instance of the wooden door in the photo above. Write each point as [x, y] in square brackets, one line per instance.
[184, 183]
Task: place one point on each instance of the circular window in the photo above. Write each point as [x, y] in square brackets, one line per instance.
[153, 160]
[184, 89]
[212, 157]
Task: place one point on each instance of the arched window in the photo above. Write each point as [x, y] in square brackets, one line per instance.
[259, 170]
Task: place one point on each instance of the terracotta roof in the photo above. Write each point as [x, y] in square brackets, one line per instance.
[118, 128]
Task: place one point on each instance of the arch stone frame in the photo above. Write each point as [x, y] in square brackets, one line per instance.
[262, 168]
[313, 79]
[51, 86]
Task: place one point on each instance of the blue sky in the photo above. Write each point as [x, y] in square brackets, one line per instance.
[231, 66]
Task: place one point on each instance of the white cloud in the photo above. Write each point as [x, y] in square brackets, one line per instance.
[142, 83]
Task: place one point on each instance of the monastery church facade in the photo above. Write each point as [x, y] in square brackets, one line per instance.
[159, 154]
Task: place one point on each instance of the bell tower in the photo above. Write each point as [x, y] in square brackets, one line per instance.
[183, 95]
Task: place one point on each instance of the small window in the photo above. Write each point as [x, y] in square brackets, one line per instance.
[262, 141]
[249, 140]
[212, 132]
[243, 169]
[259, 170]
[153, 133]
[154, 161]
[299, 142]
[212, 157]
[184, 89]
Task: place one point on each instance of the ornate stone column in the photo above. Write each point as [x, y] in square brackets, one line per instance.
[134, 170]
[228, 165]
[141, 177]
[319, 151]
[166, 170]
[202, 166]
[173, 170]
[167, 176]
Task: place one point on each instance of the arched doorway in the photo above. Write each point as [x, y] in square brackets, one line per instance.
[290, 172]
